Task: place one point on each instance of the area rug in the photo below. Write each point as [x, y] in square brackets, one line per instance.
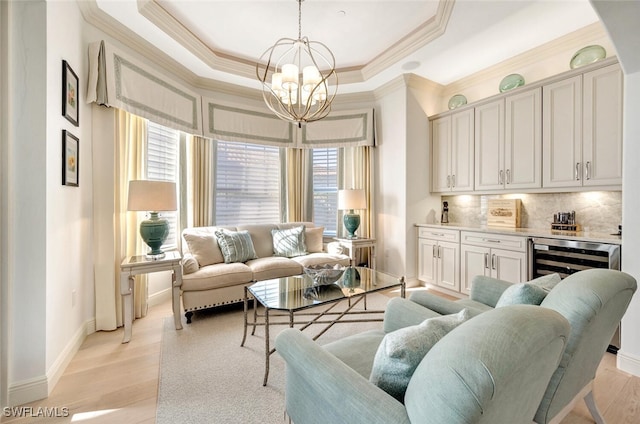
[206, 377]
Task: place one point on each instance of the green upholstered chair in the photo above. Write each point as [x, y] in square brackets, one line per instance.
[493, 368]
[593, 301]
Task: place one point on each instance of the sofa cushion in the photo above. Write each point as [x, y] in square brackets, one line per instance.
[312, 259]
[530, 293]
[216, 276]
[289, 242]
[401, 351]
[273, 267]
[236, 246]
[204, 247]
[261, 237]
[313, 239]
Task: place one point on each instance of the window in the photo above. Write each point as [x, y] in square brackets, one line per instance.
[325, 189]
[247, 184]
[162, 165]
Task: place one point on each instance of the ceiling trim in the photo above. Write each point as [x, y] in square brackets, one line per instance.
[174, 28]
[425, 33]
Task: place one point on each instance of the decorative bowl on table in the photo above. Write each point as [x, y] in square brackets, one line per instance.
[323, 275]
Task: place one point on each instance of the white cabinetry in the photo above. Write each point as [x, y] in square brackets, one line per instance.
[439, 257]
[582, 130]
[452, 141]
[508, 142]
[494, 255]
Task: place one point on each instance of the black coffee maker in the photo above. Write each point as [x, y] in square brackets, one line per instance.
[444, 219]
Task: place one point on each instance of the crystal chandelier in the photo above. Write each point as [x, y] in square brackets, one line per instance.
[298, 77]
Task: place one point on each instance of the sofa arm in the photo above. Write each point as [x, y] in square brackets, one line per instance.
[189, 264]
[321, 389]
[487, 290]
[400, 313]
[436, 303]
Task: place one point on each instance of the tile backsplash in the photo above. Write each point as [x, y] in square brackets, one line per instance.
[596, 211]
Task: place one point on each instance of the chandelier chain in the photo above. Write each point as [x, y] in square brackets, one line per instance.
[299, 19]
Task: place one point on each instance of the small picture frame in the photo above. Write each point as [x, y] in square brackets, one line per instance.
[70, 107]
[70, 159]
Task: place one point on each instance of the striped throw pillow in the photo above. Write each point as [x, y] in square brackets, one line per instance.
[236, 246]
[289, 242]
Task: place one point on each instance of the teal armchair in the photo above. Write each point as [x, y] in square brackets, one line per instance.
[493, 368]
[593, 301]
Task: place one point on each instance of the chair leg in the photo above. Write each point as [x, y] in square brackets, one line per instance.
[593, 408]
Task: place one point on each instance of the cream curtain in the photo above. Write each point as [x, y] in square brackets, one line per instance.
[201, 181]
[130, 165]
[356, 171]
[299, 185]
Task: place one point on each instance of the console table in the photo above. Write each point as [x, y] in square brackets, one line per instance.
[134, 265]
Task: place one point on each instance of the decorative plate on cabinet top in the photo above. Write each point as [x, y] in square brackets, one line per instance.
[587, 55]
[457, 101]
[510, 82]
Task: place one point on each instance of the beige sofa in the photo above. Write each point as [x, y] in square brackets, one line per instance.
[208, 281]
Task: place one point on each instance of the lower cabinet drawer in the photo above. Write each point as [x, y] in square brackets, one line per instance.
[500, 241]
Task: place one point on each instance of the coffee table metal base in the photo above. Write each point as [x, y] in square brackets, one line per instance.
[326, 316]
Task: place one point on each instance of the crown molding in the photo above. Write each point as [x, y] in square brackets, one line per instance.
[425, 33]
[570, 41]
[95, 16]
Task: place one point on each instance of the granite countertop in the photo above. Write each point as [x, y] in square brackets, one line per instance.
[534, 232]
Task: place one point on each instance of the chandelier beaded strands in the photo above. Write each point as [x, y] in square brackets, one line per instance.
[299, 79]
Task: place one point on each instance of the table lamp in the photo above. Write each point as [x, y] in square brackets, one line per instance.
[153, 197]
[349, 200]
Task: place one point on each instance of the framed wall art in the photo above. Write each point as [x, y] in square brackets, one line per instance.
[70, 159]
[70, 107]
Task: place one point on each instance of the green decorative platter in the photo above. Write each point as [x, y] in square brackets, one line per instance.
[510, 82]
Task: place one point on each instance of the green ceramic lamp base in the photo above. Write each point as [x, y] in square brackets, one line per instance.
[351, 223]
[154, 232]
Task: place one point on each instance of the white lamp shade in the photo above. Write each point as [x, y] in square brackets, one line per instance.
[352, 199]
[152, 196]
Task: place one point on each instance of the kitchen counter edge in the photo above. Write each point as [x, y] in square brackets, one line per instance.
[534, 232]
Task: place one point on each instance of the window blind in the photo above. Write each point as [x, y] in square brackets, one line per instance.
[247, 183]
[325, 189]
[162, 165]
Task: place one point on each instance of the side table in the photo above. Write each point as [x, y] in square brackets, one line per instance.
[134, 265]
[353, 244]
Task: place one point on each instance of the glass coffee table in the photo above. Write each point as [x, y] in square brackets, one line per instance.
[294, 296]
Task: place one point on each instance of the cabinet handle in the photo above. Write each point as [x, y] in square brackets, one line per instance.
[493, 262]
[491, 240]
[434, 251]
[501, 177]
[486, 260]
[577, 171]
[587, 169]
[439, 252]
[448, 181]
[508, 176]
[453, 180]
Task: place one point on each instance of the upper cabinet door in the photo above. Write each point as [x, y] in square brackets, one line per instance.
[489, 146]
[523, 140]
[462, 151]
[562, 133]
[602, 127]
[441, 160]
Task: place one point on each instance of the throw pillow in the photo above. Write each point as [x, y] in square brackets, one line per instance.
[313, 239]
[204, 248]
[401, 351]
[530, 293]
[236, 246]
[289, 243]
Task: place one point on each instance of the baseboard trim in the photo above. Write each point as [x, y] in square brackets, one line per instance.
[159, 297]
[628, 363]
[40, 387]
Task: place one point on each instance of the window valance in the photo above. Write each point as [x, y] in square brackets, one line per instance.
[119, 80]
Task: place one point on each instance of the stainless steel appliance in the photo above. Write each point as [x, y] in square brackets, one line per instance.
[547, 255]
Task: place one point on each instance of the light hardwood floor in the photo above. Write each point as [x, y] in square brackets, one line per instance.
[111, 382]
